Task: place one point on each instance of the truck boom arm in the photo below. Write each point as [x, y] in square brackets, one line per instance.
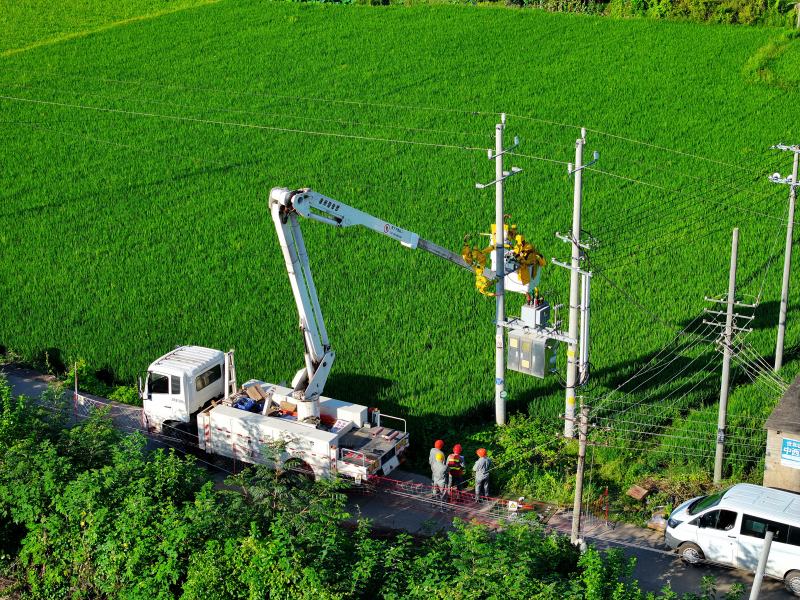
[285, 205]
[316, 206]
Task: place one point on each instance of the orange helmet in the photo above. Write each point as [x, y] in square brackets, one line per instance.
[481, 452]
[438, 444]
[457, 449]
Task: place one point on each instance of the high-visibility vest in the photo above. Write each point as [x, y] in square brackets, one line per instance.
[454, 464]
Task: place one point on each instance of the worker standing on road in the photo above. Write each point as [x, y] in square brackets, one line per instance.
[437, 448]
[439, 471]
[456, 468]
[481, 469]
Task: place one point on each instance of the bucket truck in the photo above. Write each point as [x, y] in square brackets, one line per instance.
[193, 390]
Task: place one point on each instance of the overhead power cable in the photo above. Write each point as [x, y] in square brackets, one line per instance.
[239, 124]
[212, 108]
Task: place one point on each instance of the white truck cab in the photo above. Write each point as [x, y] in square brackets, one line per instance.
[180, 383]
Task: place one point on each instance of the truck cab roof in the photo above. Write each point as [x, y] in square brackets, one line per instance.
[190, 360]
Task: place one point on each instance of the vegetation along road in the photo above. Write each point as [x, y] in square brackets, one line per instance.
[138, 145]
[655, 566]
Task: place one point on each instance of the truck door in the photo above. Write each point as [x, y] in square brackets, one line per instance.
[158, 396]
[177, 401]
[717, 535]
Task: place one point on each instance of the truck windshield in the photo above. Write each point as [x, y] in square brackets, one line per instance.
[705, 502]
[158, 384]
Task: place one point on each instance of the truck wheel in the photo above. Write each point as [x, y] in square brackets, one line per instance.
[792, 582]
[177, 431]
[298, 470]
[690, 553]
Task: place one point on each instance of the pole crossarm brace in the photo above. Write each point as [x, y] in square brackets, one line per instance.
[786, 147]
[734, 327]
[595, 158]
[569, 240]
[492, 155]
[506, 175]
[736, 315]
[776, 178]
[515, 324]
[723, 301]
[570, 267]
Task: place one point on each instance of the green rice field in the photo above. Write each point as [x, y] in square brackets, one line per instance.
[138, 149]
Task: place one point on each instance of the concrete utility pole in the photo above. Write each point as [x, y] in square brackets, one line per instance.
[726, 361]
[762, 565]
[574, 289]
[583, 430]
[787, 259]
[499, 265]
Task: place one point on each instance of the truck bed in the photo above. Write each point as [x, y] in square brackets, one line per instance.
[376, 443]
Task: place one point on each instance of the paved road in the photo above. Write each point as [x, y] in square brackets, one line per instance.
[25, 382]
[654, 569]
[655, 565]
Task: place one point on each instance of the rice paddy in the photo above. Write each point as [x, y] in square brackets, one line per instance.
[137, 161]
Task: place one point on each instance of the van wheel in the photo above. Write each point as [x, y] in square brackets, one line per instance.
[691, 554]
[792, 582]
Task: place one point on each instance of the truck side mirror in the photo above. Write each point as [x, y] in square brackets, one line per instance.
[140, 388]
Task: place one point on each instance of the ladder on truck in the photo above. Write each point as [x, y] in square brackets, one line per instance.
[230, 375]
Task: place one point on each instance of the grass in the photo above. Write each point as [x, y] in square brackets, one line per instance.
[137, 162]
[33, 23]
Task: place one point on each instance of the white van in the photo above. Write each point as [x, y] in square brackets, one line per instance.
[729, 528]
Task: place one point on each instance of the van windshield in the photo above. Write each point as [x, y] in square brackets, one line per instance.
[705, 502]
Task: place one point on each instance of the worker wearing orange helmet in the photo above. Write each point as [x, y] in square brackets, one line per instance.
[438, 446]
[456, 467]
[481, 469]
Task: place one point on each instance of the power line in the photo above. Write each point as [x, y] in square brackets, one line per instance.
[687, 200]
[252, 112]
[665, 149]
[241, 125]
[675, 354]
[703, 369]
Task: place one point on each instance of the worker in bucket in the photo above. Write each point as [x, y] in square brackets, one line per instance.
[481, 469]
[439, 471]
[438, 446]
[456, 467]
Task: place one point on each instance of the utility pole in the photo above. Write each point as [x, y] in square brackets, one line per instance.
[726, 361]
[583, 430]
[787, 259]
[499, 266]
[762, 565]
[728, 329]
[574, 292]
